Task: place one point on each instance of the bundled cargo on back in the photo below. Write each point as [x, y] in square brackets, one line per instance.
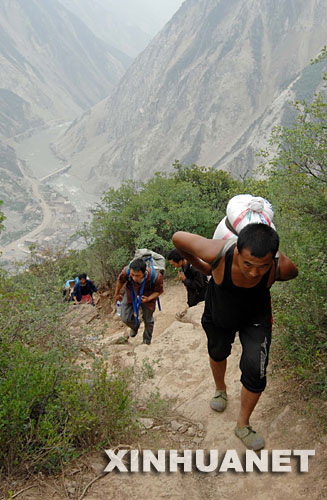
[152, 259]
[241, 210]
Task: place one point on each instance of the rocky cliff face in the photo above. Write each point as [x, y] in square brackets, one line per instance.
[52, 65]
[199, 90]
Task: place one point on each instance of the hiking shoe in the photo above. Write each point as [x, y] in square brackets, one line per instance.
[219, 401]
[249, 437]
[132, 333]
[147, 342]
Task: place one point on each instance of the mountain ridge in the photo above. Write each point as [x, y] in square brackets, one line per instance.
[53, 66]
[196, 89]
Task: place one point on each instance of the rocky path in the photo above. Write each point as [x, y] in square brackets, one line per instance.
[181, 371]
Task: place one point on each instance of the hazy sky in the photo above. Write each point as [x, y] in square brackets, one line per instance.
[128, 25]
[153, 14]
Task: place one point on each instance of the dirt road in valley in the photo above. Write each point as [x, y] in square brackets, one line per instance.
[46, 216]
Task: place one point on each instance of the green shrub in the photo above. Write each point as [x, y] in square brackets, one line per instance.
[146, 215]
[52, 411]
[297, 185]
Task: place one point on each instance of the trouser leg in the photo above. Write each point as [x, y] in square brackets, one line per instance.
[220, 340]
[255, 341]
[127, 314]
[148, 324]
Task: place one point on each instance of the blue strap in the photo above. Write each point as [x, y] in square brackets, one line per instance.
[158, 300]
[136, 302]
[154, 276]
[149, 262]
[128, 271]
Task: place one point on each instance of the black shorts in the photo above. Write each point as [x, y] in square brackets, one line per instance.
[255, 339]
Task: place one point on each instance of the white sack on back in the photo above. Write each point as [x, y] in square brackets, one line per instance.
[244, 209]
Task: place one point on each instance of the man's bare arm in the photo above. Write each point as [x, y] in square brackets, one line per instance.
[119, 286]
[287, 269]
[199, 251]
[146, 298]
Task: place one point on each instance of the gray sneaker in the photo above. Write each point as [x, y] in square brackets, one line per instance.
[249, 437]
[219, 401]
[132, 333]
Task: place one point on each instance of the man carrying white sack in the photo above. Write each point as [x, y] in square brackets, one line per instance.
[238, 299]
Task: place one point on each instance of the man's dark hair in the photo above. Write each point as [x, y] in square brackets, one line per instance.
[138, 265]
[81, 276]
[260, 239]
[175, 256]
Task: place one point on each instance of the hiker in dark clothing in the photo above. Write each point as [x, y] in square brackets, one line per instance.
[83, 290]
[140, 293]
[194, 281]
[243, 269]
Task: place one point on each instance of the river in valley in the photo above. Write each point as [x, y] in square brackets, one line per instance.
[37, 153]
[66, 203]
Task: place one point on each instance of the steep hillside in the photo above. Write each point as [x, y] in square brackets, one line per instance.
[52, 65]
[243, 156]
[177, 361]
[199, 88]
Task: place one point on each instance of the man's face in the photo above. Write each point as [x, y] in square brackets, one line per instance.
[137, 276]
[176, 264]
[253, 268]
[83, 281]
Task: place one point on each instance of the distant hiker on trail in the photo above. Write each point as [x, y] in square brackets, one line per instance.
[140, 293]
[238, 299]
[83, 290]
[194, 281]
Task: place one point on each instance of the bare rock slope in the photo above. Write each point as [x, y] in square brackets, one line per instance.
[52, 65]
[206, 80]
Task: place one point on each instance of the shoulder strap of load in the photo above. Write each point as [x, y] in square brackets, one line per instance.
[230, 242]
[276, 259]
[230, 227]
[153, 278]
[154, 274]
[149, 262]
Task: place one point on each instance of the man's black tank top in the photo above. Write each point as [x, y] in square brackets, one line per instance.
[230, 306]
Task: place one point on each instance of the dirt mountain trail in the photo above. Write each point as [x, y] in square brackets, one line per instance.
[178, 354]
